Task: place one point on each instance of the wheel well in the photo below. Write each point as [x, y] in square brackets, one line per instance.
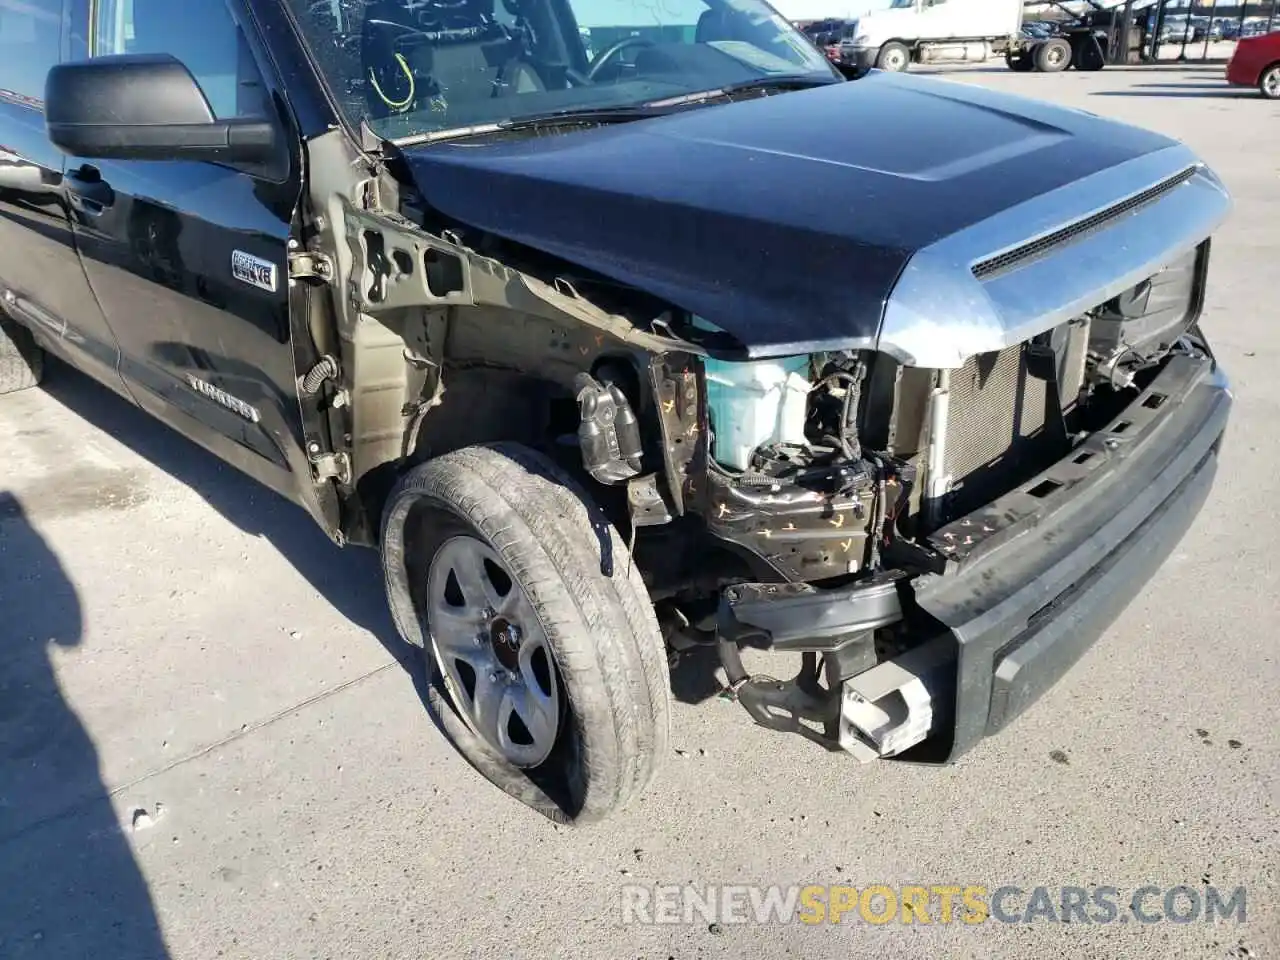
[482, 403]
[479, 405]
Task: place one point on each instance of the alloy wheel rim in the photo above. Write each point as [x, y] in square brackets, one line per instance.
[493, 652]
[1271, 83]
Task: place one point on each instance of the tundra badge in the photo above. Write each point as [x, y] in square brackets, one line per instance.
[220, 396]
[254, 271]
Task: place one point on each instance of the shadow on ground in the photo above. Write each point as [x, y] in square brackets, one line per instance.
[69, 885]
[1196, 88]
[350, 579]
[1221, 94]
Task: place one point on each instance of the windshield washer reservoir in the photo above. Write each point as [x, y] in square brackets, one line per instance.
[752, 404]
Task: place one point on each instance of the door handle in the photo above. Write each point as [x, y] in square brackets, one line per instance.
[88, 191]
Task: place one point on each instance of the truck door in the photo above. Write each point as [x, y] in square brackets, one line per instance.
[945, 19]
[41, 281]
[189, 259]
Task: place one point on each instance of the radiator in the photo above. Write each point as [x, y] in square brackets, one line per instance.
[998, 428]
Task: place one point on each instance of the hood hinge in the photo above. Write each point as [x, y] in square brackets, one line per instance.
[308, 264]
[329, 466]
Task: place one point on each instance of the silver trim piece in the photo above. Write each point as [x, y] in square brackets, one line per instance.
[937, 482]
[224, 399]
[254, 271]
[939, 315]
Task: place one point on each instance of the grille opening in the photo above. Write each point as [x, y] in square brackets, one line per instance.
[1019, 256]
[1121, 427]
[1084, 457]
[1153, 402]
[1003, 429]
[1044, 488]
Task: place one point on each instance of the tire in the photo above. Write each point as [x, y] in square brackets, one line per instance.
[894, 57]
[1052, 56]
[572, 590]
[1087, 55]
[21, 361]
[1019, 62]
[1269, 82]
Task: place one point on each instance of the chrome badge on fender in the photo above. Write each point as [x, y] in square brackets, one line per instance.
[221, 397]
[254, 271]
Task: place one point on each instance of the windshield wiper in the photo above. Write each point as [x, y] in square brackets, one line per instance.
[786, 82]
[557, 118]
[619, 114]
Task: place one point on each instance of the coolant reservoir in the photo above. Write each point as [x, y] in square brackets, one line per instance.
[755, 403]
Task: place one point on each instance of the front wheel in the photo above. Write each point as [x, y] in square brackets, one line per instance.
[1269, 82]
[1088, 55]
[1019, 62]
[894, 57]
[546, 667]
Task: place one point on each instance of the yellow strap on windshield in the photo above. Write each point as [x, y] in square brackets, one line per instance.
[397, 105]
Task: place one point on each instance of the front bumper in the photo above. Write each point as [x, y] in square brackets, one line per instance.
[1042, 572]
[1236, 75]
[1034, 579]
[864, 58]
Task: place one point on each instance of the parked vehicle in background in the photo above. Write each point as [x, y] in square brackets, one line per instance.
[1177, 31]
[928, 31]
[1256, 27]
[1207, 29]
[1256, 63]
[970, 31]
[826, 35]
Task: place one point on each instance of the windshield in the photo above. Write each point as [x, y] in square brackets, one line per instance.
[413, 67]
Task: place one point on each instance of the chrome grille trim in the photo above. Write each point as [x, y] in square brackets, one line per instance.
[939, 314]
[1051, 243]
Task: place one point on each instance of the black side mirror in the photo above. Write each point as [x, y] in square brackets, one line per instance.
[145, 107]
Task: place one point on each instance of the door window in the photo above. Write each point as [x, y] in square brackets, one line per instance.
[30, 43]
[201, 33]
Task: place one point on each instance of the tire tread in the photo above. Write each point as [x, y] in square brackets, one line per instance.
[609, 647]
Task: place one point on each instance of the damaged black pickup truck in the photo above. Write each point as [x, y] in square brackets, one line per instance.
[619, 349]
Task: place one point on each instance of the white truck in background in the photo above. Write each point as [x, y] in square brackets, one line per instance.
[960, 31]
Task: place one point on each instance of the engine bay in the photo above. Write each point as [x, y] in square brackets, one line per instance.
[837, 463]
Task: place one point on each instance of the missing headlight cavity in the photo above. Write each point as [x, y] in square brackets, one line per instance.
[444, 272]
[379, 265]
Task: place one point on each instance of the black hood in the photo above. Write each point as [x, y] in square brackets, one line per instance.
[784, 219]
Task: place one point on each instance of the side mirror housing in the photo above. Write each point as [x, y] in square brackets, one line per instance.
[145, 107]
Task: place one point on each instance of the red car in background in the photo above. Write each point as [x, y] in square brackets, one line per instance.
[1256, 63]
